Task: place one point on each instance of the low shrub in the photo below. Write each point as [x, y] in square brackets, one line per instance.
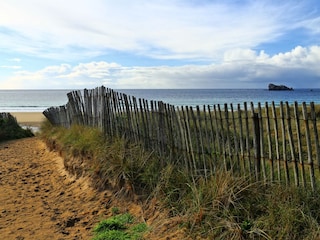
[119, 227]
[10, 129]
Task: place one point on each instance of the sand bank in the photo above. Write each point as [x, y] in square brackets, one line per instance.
[29, 119]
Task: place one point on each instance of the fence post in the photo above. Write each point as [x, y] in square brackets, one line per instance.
[256, 144]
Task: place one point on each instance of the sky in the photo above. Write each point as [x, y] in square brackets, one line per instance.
[143, 44]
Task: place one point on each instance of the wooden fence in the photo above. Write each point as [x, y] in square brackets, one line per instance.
[273, 143]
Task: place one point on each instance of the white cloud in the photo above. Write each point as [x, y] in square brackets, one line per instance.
[236, 55]
[161, 29]
[242, 68]
[14, 60]
[10, 67]
[312, 24]
[299, 58]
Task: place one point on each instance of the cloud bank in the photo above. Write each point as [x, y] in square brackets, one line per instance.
[298, 68]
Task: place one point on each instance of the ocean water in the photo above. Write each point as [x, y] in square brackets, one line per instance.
[31, 100]
[39, 100]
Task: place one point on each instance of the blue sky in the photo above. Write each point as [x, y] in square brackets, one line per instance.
[76, 44]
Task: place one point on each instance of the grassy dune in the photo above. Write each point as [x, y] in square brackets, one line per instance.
[221, 207]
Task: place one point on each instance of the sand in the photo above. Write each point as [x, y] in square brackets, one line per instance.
[29, 119]
[39, 200]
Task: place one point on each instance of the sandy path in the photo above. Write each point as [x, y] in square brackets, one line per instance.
[39, 200]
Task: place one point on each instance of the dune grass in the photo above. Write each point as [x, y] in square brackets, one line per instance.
[222, 206]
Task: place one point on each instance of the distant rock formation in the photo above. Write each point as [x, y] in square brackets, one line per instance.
[273, 87]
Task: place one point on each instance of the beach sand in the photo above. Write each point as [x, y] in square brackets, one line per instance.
[29, 119]
[40, 200]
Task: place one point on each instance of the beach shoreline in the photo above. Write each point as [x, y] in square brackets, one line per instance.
[29, 119]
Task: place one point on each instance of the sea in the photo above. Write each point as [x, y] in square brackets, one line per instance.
[39, 100]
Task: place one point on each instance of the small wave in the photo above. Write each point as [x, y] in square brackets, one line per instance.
[22, 108]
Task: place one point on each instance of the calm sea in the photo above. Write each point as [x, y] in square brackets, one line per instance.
[39, 100]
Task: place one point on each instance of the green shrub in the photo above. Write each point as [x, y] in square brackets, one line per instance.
[119, 227]
[117, 222]
[10, 129]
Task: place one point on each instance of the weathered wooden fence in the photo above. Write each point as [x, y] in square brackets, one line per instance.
[273, 143]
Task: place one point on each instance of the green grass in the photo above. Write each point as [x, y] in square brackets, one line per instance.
[223, 206]
[119, 227]
[10, 129]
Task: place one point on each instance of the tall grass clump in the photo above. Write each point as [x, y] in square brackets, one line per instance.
[114, 163]
[127, 166]
[78, 140]
[10, 129]
[228, 207]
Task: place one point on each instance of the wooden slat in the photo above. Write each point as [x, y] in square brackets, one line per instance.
[315, 132]
[222, 135]
[276, 138]
[227, 133]
[213, 141]
[235, 137]
[309, 146]
[298, 133]
[216, 127]
[262, 143]
[241, 137]
[291, 144]
[256, 142]
[284, 144]
[189, 141]
[247, 134]
[200, 127]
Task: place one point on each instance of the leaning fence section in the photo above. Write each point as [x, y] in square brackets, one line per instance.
[272, 143]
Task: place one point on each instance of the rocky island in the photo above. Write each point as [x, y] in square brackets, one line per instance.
[273, 87]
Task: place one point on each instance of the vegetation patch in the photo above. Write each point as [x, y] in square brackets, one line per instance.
[10, 129]
[223, 205]
[119, 227]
